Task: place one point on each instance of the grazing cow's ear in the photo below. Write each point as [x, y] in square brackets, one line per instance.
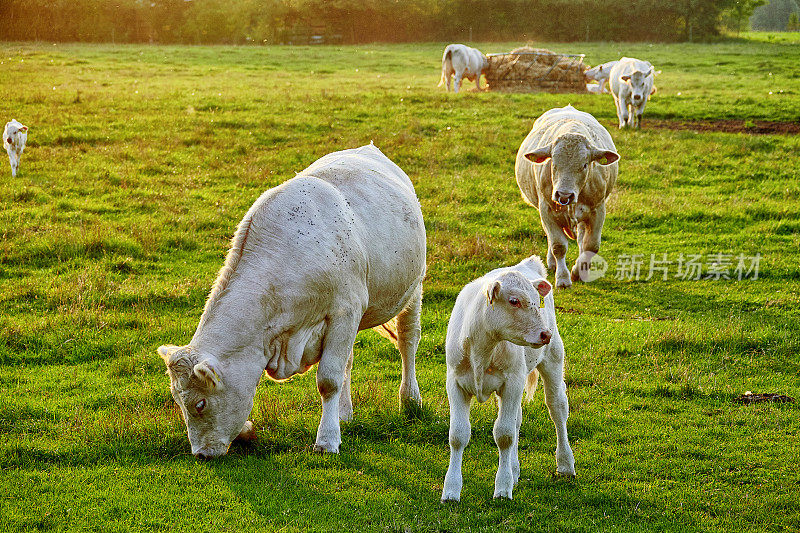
[492, 291]
[207, 373]
[540, 155]
[625, 78]
[543, 287]
[604, 157]
[166, 352]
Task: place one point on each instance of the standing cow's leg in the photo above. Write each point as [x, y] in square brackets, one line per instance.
[551, 259]
[457, 81]
[346, 398]
[631, 115]
[505, 436]
[555, 397]
[408, 334]
[557, 244]
[337, 347]
[622, 110]
[459, 438]
[589, 240]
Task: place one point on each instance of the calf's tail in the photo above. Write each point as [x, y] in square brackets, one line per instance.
[530, 385]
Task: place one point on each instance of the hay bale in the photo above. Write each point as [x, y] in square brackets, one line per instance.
[528, 69]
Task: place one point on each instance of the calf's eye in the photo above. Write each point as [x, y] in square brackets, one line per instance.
[514, 302]
[200, 405]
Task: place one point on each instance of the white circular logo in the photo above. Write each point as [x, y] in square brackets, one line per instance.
[591, 266]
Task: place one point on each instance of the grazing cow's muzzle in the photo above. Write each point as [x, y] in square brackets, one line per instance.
[564, 198]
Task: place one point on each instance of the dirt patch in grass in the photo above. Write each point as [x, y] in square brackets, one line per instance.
[755, 127]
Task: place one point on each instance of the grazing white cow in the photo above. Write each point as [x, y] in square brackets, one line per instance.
[15, 135]
[336, 249]
[566, 167]
[600, 74]
[632, 83]
[463, 62]
[502, 334]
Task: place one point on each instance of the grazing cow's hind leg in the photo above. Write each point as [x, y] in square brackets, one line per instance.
[457, 81]
[459, 438]
[409, 332]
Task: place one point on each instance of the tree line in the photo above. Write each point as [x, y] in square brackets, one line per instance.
[361, 21]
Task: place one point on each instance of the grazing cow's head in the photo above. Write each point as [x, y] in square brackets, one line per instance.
[215, 414]
[640, 85]
[514, 309]
[572, 157]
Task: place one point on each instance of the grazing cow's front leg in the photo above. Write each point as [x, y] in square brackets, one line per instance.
[337, 347]
[557, 244]
[478, 81]
[555, 397]
[505, 436]
[589, 240]
[459, 438]
[409, 332]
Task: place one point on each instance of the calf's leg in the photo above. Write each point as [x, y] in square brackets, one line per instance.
[505, 436]
[555, 397]
[459, 438]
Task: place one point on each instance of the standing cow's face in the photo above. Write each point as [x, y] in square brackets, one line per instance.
[215, 414]
[515, 309]
[639, 86]
[571, 158]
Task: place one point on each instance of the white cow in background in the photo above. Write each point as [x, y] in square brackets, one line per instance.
[502, 334]
[463, 62]
[600, 74]
[566, 167]
[15, 135]
[632, 82]
[336, 249]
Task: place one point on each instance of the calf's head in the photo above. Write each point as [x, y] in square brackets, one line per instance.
[640, 86]
[571, 158]
[215, 412]
[13, 130]
[514, 309]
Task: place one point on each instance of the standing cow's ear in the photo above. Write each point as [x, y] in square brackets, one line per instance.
[625, 78]
[492, 290]
[543, 287]
[24, 128]
[604, 157]
[206, 372]
[653, 91]
[540, 155]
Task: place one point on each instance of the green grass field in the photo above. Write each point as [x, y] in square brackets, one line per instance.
[142, 159]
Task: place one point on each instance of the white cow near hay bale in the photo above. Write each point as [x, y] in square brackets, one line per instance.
[600, 74]
[461, 61]
[15, 135]
[632, 83]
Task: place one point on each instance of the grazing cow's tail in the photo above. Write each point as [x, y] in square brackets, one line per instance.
[388, 330]
[445, 60]
[530, 385]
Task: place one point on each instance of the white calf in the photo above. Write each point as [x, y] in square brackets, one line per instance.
[501, 335]
[15, 135]
[463, 62]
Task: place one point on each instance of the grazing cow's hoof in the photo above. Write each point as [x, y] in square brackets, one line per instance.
[325, 448]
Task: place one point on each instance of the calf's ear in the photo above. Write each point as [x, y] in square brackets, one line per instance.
[604, 157]
[492, 291]
[540, 155]
[206, 372]
[543, 287]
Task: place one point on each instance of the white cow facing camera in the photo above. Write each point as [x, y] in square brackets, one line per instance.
[15, 135]
[502, 334]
